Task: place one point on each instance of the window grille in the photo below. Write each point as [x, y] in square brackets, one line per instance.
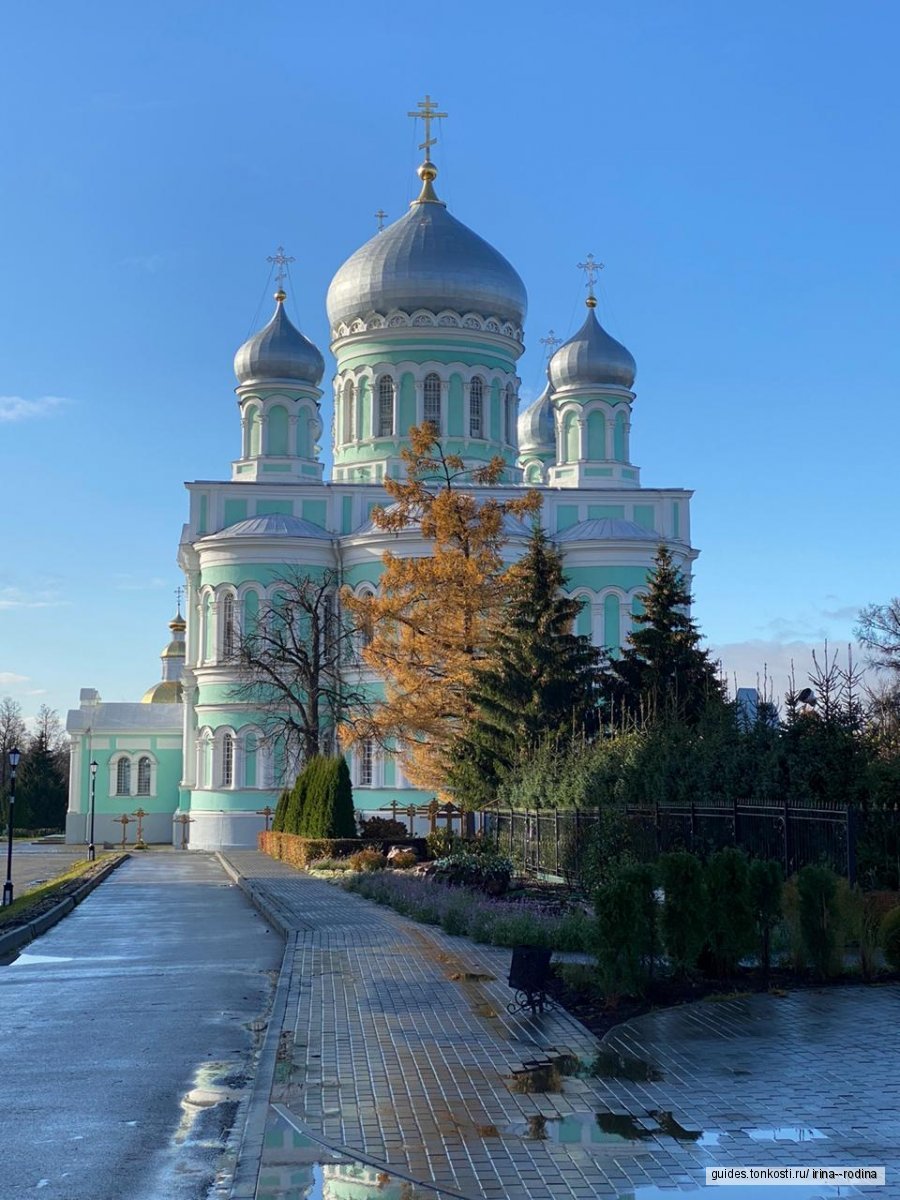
[123, 777]
[476, 406]
[432, 393]
[365, 764]
[385, 406]
[227, 760]
[143, 788]
[228, 639]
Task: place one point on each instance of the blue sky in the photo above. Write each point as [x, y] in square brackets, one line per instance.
[733, 165]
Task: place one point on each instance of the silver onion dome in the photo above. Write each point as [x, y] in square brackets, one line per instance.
[592, 357]
[279, 351]
[537, 431]
[428, 259]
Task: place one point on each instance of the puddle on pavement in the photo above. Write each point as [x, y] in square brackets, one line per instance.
[787, 1133]
[296, 1167]
[608, 1064]
[208, 1108]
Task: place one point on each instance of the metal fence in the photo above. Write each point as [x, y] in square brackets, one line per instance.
[561, 843]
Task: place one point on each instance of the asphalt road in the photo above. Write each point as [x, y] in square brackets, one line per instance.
[34, 864]
[125, 1035]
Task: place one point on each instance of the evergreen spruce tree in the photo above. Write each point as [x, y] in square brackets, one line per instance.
[663, 673]
[41, 793]
[281, 808]
[307, 801]
[541, 679]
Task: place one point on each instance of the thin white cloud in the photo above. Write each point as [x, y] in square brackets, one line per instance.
[137, 583]
[10, 678]
[15, 597]
[17, 408]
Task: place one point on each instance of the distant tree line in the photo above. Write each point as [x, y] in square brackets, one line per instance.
[42, 778]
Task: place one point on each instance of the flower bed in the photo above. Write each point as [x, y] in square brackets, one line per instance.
[464, 912]
[301, 851]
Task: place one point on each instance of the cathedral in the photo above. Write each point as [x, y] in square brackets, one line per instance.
[427, 324]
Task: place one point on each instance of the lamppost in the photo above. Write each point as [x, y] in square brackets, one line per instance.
[92, 854]
[14, 757]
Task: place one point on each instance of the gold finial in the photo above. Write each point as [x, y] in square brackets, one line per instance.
[427, 172]
[591, 270]
[281, 295]
[380, 218]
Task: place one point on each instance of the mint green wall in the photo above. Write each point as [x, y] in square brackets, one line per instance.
[596, 436]
[369, 572]
[566, 516]
[598, 578]
[168, 776]
[644, 516]
[304, 441]
[234, 511]
[265, 507]
[315, 511]
[277, 422]
[369, 799]
[455, 406]
[250, 760]
[496, 411]
[612, 634]
[620, 452]
[583, 620]
[255, 431]
[262, 573]
[406, 404]
[237, 801]
[364, 409]
[447, 350]
[346, 514]
[251, 611]
[608, 512]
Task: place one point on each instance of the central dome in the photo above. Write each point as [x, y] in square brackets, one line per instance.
[427, 260]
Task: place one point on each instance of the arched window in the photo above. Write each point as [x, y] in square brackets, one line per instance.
[227, 760]
[476, 407]
[349, 411]
[143, 788]
[123, 777]
[228, 631]
[512, 407]
[385, 423]
[278, 426]
[432, 395]
[255, 422]
[366, 761]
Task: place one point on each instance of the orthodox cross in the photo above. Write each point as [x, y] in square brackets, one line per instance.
[140, 814]
[427, 110]
[281, 260]
[591, 270]
[184, 820]
[179, 596]
[267, 812]
[124, 821]
[551, 341]
[379, 217]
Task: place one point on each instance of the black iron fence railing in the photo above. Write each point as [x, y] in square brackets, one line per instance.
[561, 843]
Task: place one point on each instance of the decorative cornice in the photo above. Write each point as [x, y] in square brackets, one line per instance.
[425, 319]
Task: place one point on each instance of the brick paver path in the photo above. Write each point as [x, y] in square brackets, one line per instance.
[389, 1049]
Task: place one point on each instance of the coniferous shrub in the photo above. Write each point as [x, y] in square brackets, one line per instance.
[890, 938]
[329, 799]
[309, 821]
[281, 811]
[765, 884]
[377, 829]
[819, 912]
[626, 930]
[730, 926]
[683, 909]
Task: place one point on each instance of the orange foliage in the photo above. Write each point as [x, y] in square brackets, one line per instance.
[432, 621]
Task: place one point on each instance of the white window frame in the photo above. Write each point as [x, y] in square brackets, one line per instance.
[384, 406]
[476, 407]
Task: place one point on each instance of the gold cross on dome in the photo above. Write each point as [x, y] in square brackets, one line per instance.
[427, 110]
[591, 270]
[281, 260]
[179, 596]
[551, 341]
[380, 218]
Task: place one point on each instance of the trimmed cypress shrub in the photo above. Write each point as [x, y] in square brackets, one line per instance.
[281, 811]
[293, 813]
[820, 919]
[730, 927]
[684, 909]
[626, 930]
[765, 882]
[308, 824]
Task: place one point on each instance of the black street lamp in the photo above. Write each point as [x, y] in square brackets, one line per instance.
[92, 854]
[14, 757]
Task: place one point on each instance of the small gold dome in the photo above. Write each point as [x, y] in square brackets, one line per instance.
[281, 295]
[167, 691]
[173, 650]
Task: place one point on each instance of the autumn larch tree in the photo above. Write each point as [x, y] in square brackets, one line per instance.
[435, 615]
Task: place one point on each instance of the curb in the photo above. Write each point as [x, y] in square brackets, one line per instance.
[250, 1148]
[23, 934]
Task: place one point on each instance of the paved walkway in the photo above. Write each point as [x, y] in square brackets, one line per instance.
[33, 864]
[112, 1019]
[397, 1045]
